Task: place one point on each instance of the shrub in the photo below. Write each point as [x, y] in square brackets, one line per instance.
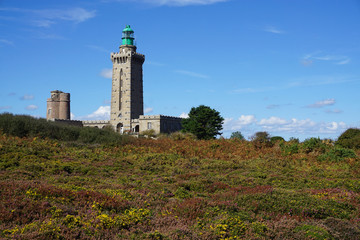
[150, 133]
[261, 139]
[350, 139]
[313, 145]
[313, 232]
[337, 154]
[277, 139]
[289, 148]
[27, 126]
[237, 135]
[182, 136]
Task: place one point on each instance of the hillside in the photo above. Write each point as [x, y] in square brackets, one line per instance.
[184, 189]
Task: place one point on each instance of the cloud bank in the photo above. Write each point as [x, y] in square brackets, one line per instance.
[273, 124]
[102, 113]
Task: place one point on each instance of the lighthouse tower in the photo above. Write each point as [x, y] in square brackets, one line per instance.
[127, 102]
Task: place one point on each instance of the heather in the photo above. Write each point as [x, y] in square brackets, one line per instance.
[178, 189]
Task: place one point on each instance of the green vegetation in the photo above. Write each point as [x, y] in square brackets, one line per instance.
[177, 189]
[261, 139]
[237, 135]
[204, 122]
[26, 126]
[350, 139]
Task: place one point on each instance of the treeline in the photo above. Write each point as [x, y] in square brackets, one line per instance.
[27, 126]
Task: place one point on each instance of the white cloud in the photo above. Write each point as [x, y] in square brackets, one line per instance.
[76, 15]
[323, 103]
[272, 121]
[27, 97]
[191, 74]
[31, 107]
[302, 126]
[272, 29]
[6, 42]
[309, 59]
[48, 17]
[334, 111]
[102, 113]
[148, 110]
[276, 125]
[343, 62]
[231, 124]
[43, 23]
[184, 115]
[106, 73]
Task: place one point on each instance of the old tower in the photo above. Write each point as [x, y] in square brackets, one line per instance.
[127, 102]
[58, 106]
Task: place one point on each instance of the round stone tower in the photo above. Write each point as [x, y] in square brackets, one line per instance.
[64, 106]
[58, 105]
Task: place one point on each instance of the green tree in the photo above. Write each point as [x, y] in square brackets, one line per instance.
[204, 122]
[261, 139]
[237, 135]
[350, 139]
[277, 139]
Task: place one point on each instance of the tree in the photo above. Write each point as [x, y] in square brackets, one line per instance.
[261, 139]
[237, 135]
[277, 139]
[204, 122]
[350, 139]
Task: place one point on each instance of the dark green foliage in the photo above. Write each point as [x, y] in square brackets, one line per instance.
[294, 140]
[204, 122]
[27, 126]
[277, 139]
[237, 135]
[289, 148]
[314, 145]
[337, 154]
[350, 139]
[261, 139]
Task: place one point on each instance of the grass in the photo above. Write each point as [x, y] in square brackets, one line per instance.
[177, 189]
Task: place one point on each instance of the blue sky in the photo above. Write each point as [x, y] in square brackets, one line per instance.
[290, 68]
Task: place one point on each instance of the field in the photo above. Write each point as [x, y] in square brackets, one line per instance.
[184, 189]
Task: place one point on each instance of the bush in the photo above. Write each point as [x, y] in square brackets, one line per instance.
[237, 135]
[27, 126]
[261, 139]
[182, 136]
[313, 145]
[148, 133]
[277, 139]
[289, 148]
[350, 139]
[337, 154]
